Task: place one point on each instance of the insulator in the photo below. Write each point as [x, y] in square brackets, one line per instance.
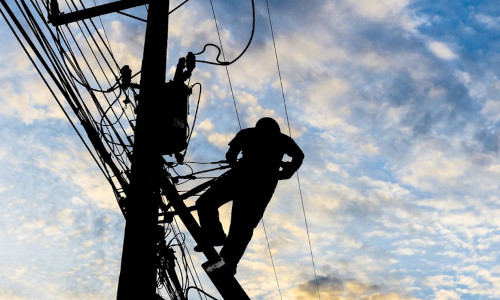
[126, 73]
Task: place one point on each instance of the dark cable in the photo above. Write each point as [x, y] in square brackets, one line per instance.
[271, 256]
[177, 7]
[226, 63]
[194, 120]
[290, 133]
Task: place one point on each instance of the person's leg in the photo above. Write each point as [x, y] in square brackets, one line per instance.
[244, 219]
[207, 206]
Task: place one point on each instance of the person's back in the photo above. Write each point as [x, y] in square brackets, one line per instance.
[263, 148]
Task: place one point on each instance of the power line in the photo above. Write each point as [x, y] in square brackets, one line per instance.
[290, 132]
[271, 256]
[239, 123]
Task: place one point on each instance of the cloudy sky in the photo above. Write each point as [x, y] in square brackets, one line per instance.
[396, 104]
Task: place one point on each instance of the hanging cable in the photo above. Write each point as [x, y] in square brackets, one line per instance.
[194, 119]
[221, 50]
[290, 133]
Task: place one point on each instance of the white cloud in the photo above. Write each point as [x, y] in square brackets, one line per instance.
[206, 125]
[220, 140]
[74, 165]
[491, 109]
[447, 295]
[333, 167]
[434, 169]
[386, 11]
[442, 50]
[324, 105]
[245, 98]
[28, 107]
[491, 22]
[15, 63]
[127, 45]
[409, 251]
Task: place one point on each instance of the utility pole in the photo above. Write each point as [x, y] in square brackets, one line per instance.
[138, 271]
[148, 180]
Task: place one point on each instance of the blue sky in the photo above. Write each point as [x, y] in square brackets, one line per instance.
[395, 103]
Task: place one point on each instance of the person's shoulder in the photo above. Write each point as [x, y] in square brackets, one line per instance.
[242, 136]
[288, 143]
[285, 138]
[247, 132]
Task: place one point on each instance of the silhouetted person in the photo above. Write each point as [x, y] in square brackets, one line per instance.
[249, 184]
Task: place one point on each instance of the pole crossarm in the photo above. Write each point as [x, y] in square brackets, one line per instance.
[56, 18]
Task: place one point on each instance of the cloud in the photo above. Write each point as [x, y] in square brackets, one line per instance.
[14, 63]
[491, 22]
[447, 294]
[442, 50]
[387, 11]
[75, 166]
[206, 125]
[220, 140]
[29, 108]
[332, 288]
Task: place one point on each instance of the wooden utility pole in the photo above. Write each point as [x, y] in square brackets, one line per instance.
[147, 179]
[138, 271]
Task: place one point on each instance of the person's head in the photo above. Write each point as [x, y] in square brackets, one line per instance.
[268, 124]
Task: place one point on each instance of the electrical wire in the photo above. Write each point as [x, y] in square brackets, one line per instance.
[178, 6]
[194, 119]
[221, 50]
[73, 96]
[238, 117]
[77, 102]
[271, 256]
[290, 133]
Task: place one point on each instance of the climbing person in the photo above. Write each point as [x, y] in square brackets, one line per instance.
[250, 184]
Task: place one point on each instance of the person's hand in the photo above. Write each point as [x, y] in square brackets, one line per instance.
[285, 172]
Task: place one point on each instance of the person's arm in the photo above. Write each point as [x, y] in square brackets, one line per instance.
[289, 168]
[234, 150]
[232, 155]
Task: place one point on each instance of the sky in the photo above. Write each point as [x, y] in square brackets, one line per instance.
[395, 103]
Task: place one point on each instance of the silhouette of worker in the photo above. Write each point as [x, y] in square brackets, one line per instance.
[249, 184]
